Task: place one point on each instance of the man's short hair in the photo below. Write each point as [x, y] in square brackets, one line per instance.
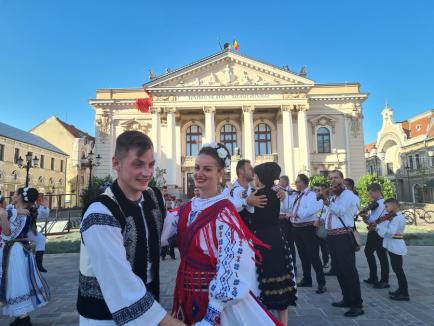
[284, 178]
[374, 187]
[338, 172]
[391, 201]
[240, 165]
[132, 139]
[350, 182]
[303, 178]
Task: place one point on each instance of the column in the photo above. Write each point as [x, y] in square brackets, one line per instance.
[171, 146]
[303, 142]
[347, 149]
[248, 135]
[288, 142]
[209, 124]
[156, 133]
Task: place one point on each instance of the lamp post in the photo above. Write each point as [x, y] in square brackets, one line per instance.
[407, 169]
[30, 163]
[90, 161]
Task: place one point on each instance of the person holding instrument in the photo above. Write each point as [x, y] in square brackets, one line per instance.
[374, 242]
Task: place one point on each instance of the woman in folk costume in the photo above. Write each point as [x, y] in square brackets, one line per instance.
[276, 274]
[22, 288]
[216, 282]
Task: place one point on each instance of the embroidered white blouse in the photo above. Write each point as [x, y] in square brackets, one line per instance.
[236, 307]
[390, 229]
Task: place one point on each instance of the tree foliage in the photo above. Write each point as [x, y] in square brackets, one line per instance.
[91, 192]
[366, 180]
[317, 180]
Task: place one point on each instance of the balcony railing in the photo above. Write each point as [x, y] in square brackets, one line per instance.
[188, 161]
[266, 158]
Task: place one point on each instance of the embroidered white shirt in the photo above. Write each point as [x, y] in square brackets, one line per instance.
[388, 229]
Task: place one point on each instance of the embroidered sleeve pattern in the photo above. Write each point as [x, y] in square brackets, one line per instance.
[134, 311]
[17, 225]
[98, 219]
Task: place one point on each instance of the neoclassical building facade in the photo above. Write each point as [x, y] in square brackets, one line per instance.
[260, 111]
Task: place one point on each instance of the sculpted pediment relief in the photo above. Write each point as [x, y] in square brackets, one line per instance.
[229, 69]
[133, 124]
[322, 120]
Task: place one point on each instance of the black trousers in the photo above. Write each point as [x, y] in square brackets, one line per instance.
[308, 249]
[374, 243]
[287, 230]
[344, 259]
[324, 251]
[396, 262]
[170, 249]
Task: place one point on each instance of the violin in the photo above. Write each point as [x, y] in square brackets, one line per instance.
[381, 219]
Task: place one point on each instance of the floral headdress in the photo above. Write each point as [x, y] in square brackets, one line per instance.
[24, 194]
[222, 152]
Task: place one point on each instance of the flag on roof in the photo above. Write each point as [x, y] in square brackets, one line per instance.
[235, 45]
[143, 104]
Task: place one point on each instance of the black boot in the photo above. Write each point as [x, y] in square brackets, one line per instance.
[39, 259]
[21, 322]
[16, 322]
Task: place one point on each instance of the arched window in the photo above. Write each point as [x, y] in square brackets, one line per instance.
[193, 140]
[228, 137]
[263, 139]
[323, 140]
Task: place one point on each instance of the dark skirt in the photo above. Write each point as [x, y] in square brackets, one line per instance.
[276, 273]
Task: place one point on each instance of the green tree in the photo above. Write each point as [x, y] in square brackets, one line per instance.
[363, 183]
[90, 193]
[317, 180]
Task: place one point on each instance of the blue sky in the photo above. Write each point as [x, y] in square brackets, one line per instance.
[55, 54]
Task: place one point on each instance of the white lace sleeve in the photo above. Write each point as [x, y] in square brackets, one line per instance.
[235, 266]
[17, 224]
[170, 227]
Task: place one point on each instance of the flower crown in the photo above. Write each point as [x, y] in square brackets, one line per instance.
[26, 199]
[222, 152]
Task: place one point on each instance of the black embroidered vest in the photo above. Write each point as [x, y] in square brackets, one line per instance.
[90, 302]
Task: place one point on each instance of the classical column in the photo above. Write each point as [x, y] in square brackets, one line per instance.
[347, 149]
[288, 143]
[156, 132]
[209, 124]
[171, 146]
[248, 135]
[303, 142]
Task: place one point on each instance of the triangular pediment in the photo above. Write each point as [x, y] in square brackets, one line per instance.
[227, 68]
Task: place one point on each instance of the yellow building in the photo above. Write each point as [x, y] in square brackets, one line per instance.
[48, 177]
[74, 142]
[260, 111]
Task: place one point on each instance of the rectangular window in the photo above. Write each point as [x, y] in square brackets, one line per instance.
[389, 168]
[52, 163]
[41, 163]
[410, 162]
[2, 152]
[16, 155]
[61, 165]
[417, 159]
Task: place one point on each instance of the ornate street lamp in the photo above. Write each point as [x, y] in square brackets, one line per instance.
[30, 163]
[90, 161]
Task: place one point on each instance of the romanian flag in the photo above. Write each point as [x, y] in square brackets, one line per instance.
[143, 104]
[235, 45]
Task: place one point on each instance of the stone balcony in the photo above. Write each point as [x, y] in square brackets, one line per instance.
[266, 158]
[188, 161]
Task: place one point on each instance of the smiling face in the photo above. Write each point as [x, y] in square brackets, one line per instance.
[207, 174]
[134, 171]
[16, 198]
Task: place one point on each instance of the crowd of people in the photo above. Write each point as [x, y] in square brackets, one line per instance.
[238, 244]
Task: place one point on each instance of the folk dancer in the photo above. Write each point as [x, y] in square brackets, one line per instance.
[120, 231]
[216, 281]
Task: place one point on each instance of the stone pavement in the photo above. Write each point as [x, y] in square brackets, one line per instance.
[312, 309]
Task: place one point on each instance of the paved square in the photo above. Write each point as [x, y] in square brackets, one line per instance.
[312, 309]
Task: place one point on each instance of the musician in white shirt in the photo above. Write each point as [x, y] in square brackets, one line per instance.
[374, 243]
[303, 217]
[339, 223]
[392, 230]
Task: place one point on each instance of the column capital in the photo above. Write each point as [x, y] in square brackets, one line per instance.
[286, 108]
[301, 107]
[248, 108]
[154, 109]
[170, 110]
[209, 109]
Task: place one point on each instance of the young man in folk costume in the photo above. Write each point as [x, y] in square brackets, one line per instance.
[303, 217]
[217, 280]
[339, 222]
[120, 230]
